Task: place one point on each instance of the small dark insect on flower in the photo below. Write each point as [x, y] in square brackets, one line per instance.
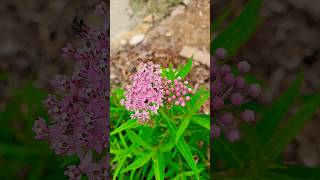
[133, 70]
[134, 66]
[77, 25]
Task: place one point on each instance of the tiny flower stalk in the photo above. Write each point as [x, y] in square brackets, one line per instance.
[230, 90]
[149, 91]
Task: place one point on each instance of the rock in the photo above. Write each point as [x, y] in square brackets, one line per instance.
[136, 39]
[123, 42]
[311, 6]
[168, 34]
[149, 19]
[200, 56]
[277, 7]
[186, 2]
[178, 10]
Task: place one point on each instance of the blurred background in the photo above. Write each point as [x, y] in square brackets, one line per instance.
[32, 35]
[285, 43]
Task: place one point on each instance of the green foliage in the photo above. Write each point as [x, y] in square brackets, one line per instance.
[21, 155]
[240, 30]
[258, 154]
[167, 150]
[255, 157]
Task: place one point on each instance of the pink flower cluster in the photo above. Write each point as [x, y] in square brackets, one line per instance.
[144, 96]
[177, 92]
[80, 113]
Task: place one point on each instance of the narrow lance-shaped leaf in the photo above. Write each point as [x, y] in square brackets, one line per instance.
[186, 69]
[181, 144]
[299, 172]
[240, 30]
[139, 162]
[203, 121]
[271, 118]
[284, 135]
[184, 124]
[128, 125]
[158, 165]
[119, 166]
[137, 139]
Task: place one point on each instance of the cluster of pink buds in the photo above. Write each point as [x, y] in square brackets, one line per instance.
[177, 92]
[229, 90]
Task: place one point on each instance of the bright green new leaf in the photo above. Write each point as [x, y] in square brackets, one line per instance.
[202, 120]
[128, 125]
[158, 163]
[186, 69]
[137, 139]
[181, 144]
[139, 162]
[184, 124]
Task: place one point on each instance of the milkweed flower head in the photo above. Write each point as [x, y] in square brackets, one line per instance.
[79, 114]
[227, 91]
[145, 93]
[149, 91]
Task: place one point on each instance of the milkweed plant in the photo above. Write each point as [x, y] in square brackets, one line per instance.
[157, 128]
[79, 110]
[248, 137]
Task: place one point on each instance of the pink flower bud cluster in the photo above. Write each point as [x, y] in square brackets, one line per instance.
[177, 92]
[145, 94]
[229, 90]
[80, 113]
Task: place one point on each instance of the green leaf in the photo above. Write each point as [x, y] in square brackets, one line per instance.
[272, 175]
[139, 162]
[158, 165]
[123, 141]
[219, 20]
[186, 69]
[132, 173]
[300, 172]
[202, 120]
[181, 144]
[282, 137]
[128, 125]
[201, 100]
[187, 155]
[223, 149]
[182, 128]
[187, 174]
[272, 116]
[168, 146]
[151, 173]
[119, 166]
[197, 100]
[240, 30]
[137, 139]
[168, 72]
[3, 76]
